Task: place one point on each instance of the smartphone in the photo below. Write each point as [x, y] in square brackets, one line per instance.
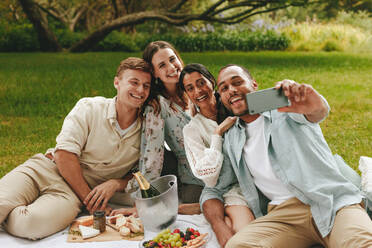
[267, 99]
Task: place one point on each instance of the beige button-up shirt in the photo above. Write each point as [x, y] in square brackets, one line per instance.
[89, 132]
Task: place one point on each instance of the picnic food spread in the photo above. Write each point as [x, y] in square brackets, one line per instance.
[126, 225]
[119, 227]
[191, 238]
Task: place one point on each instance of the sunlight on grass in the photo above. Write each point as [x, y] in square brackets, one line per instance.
[38, 90]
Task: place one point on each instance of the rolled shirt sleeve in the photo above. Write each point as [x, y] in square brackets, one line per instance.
[75, 129]
[300, 118]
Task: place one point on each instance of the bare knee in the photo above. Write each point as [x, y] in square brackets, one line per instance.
[240, 216]
[228, 222]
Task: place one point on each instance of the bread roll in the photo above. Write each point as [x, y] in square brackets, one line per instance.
[124, 231]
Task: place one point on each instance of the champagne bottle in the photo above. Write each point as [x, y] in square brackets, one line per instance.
[147, 190]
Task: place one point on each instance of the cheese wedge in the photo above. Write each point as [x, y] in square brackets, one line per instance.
[88, 232]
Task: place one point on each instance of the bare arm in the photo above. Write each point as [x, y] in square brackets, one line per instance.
[225, 125]
[69, 167]
[304, 100]
[214, 212]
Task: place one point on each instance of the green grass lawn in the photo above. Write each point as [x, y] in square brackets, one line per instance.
[38, 90]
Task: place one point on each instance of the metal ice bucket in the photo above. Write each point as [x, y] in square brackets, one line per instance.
[159, 212]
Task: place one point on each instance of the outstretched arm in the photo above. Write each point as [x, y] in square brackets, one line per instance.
[304, 100]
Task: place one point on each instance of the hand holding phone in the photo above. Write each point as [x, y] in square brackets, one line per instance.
[267, 99]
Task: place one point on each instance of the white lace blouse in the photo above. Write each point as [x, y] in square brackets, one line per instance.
[203, 149]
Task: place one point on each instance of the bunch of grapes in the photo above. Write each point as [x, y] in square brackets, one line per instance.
[175, 239]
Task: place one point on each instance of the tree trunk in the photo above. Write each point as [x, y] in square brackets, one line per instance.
[47, 39]
[98, 35]
[116, 10]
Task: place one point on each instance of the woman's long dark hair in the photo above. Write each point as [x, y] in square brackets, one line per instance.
[158, 87]
[222, 112]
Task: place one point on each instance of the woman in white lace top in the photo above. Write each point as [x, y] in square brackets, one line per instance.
[203, 139]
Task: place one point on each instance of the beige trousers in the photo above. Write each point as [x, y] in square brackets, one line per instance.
[290, 225]
[35, 201]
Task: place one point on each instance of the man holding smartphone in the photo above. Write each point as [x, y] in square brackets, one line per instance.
[286, 172]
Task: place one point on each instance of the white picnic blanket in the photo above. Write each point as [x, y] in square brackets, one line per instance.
[59, 240]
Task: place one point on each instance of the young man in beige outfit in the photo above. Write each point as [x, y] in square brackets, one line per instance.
[97, 147]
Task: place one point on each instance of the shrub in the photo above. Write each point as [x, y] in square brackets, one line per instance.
[358, 19]
[24, 38]
[233, 41]
[18, 38]
[66, 37]
[332, 45]
[327, 37]
[117, 41]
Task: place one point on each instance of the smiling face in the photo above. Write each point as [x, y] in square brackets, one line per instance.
[167, 66]
[233, 85]
[133, 87]
[199, 89]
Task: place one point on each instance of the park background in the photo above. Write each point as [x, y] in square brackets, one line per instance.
[54, 52]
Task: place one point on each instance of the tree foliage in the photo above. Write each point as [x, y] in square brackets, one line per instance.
[100, 18]
[332, 7]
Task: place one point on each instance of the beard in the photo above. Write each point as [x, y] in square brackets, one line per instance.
[241, 113]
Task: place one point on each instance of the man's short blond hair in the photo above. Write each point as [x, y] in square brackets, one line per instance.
[133, 63]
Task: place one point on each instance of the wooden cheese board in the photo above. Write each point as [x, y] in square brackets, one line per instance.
[110, 234]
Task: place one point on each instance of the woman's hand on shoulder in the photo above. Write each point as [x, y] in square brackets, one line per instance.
[192, 107]
[225, 125]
